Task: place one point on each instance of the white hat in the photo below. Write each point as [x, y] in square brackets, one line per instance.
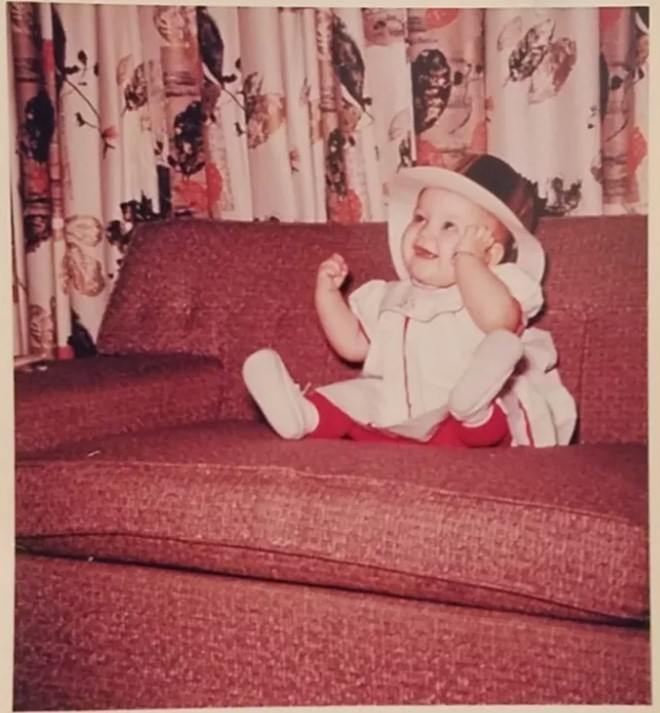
[504, 185]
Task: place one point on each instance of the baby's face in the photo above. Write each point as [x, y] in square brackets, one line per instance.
[429, 242]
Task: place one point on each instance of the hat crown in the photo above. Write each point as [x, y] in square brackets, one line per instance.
[495, 175]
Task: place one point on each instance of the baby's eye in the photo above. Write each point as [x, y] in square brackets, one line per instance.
[448, 225]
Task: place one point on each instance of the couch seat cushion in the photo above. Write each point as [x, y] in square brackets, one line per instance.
[116, 394]
[561, 531]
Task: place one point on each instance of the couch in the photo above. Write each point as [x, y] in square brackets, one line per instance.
[173, 552]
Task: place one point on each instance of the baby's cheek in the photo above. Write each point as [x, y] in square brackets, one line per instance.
[406, 244]
[448, 245]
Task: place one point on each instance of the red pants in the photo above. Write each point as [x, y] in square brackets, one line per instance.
[334, 424]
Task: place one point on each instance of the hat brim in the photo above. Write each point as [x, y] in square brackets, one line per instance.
[405, 189]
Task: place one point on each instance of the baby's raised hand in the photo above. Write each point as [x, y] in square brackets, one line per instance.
[476, 240]
[332, 273]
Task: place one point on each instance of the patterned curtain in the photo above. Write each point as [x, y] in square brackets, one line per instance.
[124, 114]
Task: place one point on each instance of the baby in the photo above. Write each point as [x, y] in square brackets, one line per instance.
[448, 358]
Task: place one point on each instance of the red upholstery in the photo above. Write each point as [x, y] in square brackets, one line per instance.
[159, 638]
[173, 552]
[526, 531]
[93, 397]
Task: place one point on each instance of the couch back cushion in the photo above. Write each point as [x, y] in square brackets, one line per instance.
[226, 289]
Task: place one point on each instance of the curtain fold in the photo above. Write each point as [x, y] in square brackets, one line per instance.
[551, 93]
[123, 114]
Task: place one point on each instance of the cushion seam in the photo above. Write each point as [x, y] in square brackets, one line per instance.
[303, 556]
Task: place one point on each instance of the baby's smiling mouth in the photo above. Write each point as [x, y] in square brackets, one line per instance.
[419, 251]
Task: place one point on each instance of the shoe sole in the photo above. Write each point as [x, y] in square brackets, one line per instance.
[253, 369]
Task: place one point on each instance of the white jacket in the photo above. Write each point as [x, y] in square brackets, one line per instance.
[420, 343]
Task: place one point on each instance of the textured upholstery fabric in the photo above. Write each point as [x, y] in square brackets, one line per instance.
[152, 638]
[83, 399]
[242, 286]
[559, 532]
[242, 570]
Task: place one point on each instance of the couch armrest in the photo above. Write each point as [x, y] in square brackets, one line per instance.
[81, 400]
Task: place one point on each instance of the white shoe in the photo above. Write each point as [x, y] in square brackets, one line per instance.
[280, 399]
[491, 367]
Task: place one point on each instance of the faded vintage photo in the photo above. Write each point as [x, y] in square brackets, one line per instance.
[330, 355]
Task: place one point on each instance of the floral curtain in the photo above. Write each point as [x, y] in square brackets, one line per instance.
[124, 114]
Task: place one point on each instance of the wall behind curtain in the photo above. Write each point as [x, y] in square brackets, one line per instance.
[124, 114]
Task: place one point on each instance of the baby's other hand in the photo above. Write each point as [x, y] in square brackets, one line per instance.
[332, 273]
[477, 240]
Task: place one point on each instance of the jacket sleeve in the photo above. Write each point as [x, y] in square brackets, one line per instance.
[526, 290]
[365, 303]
